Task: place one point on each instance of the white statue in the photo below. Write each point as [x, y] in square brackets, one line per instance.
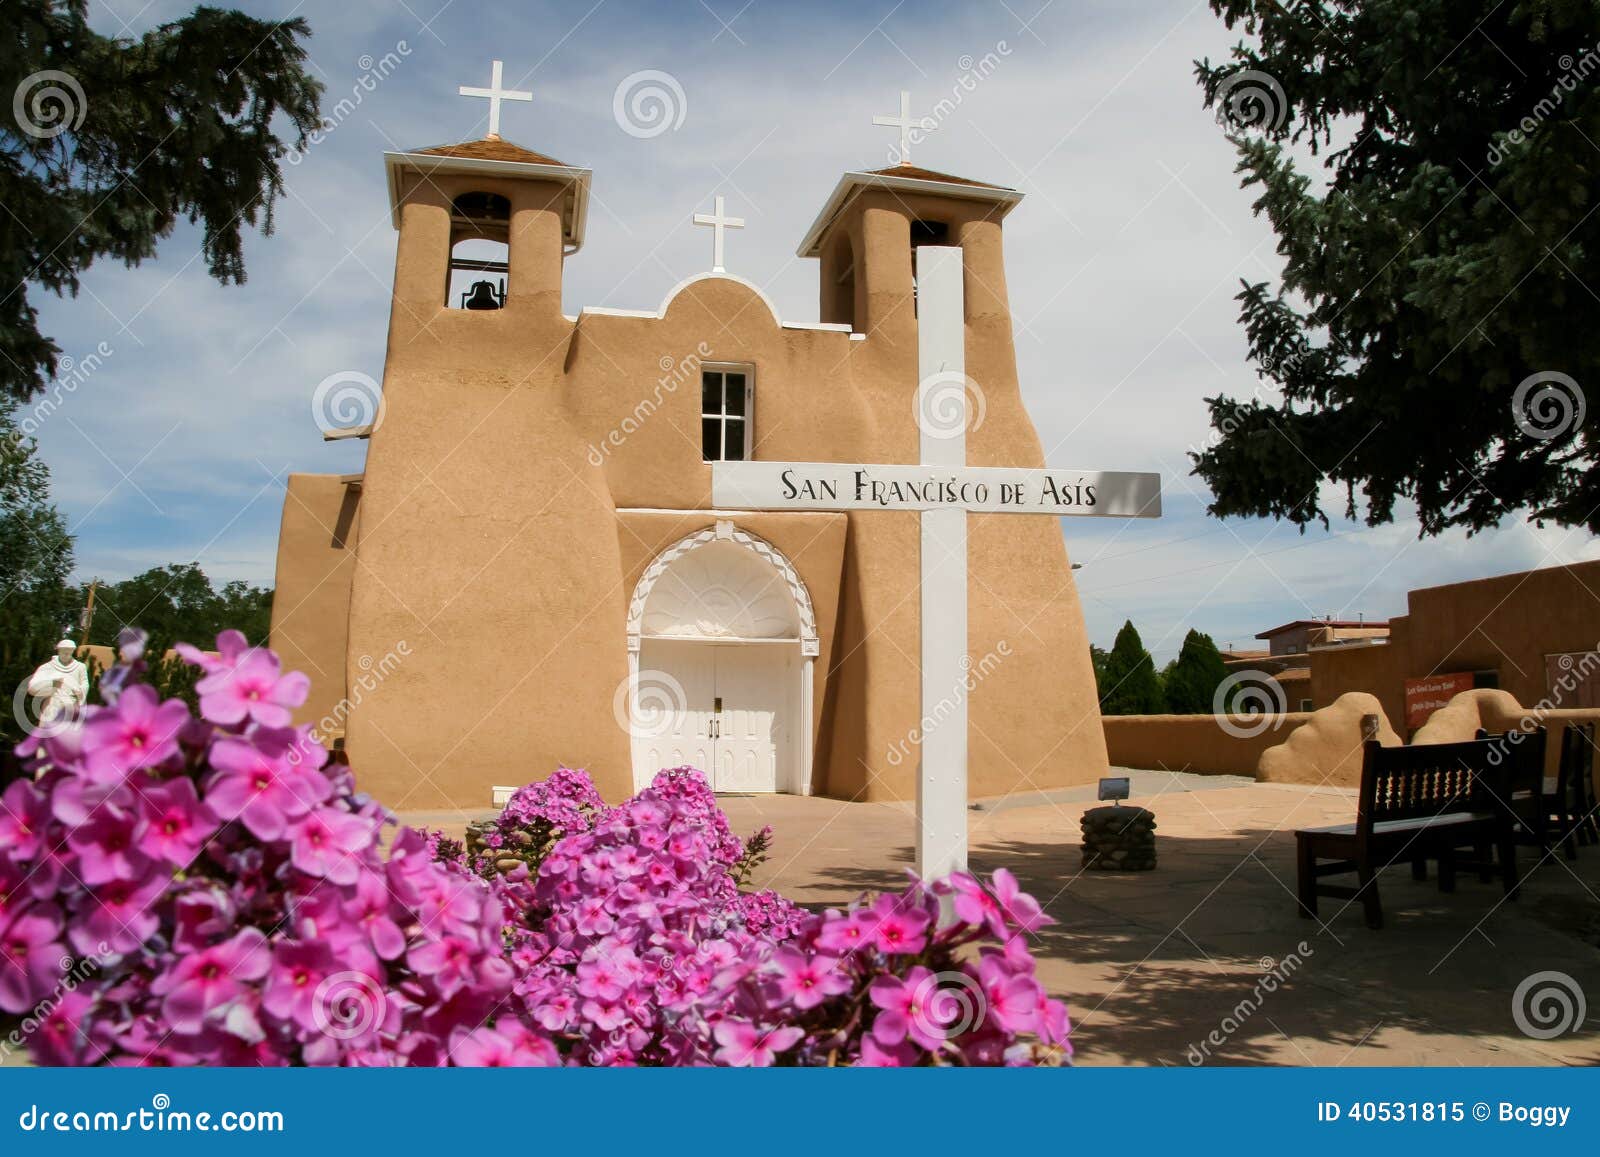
[60, 686]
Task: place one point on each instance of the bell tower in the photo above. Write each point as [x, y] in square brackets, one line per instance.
[484, 225]
[865, 238]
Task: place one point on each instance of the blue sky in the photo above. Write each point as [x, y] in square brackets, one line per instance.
[1122, 262]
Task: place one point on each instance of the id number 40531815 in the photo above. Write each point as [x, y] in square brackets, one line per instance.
[1392, 1111]
[1442, 1112]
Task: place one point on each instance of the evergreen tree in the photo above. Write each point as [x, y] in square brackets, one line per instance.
[1434, 330]
[110, 141]
[1129, 683]
[36, 604]
[1191, 680]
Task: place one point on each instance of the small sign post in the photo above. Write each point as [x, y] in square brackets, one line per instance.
[943, 489]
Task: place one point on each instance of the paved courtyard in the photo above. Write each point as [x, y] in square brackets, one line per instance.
[1151, 963]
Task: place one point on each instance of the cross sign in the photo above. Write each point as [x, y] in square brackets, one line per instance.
[942, 488]
[495, 94]
[903, 122]
[718, 222]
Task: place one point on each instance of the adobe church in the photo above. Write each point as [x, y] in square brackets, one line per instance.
[530, 571]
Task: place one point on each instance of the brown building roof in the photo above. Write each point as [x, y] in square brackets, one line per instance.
[490, 149]
[1343, 624]
[914, 173]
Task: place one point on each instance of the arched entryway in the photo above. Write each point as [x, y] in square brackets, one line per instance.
[722, 641]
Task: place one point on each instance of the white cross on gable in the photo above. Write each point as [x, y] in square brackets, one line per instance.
[718, 221]
[903, 122]
[495, 94]
[943, 488]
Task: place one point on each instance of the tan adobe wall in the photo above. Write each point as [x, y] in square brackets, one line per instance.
[311, 598]
[1326, 750]
[1494, 710]
[1196, 743]
[1507, 624]
[1377, 670]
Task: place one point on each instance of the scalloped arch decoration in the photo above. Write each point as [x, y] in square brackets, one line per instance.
[761, 596]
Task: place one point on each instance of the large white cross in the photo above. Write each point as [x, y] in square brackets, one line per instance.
[495, 94]
[903, 122]
[718, 222]
[943, 488]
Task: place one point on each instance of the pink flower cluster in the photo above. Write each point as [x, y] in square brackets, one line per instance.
[213, 891]
[633, 945]
[179, 890]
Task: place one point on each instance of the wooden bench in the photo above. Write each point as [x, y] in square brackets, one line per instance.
[1415, 803]
[1569, 795]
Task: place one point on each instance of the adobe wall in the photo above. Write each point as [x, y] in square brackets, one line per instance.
[1326, 750]
[1494, 710]
[1507, 623]
[1380, 670]
[311, 595]
[1196, 743]
[489, 538]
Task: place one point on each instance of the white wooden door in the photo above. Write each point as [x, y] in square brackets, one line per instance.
[724, 709]
[752, 717]
[673, 706]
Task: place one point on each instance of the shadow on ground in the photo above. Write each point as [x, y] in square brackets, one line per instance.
[1172, 966]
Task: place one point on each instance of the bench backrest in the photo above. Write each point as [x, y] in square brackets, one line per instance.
[1577, 749]
[1420, 780]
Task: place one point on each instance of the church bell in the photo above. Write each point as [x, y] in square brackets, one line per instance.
[482, 295]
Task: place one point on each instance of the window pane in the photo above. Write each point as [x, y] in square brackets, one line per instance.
[735, 440]
[710, 432]
[710, 392]
[735, 393]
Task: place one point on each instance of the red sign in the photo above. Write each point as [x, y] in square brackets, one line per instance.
[1426, 695]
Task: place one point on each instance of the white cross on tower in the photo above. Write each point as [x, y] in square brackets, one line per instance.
[943, 488]
[495, 94]
[718, 222]
[903, 122]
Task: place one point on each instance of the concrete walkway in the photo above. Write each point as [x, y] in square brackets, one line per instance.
[1153, 963]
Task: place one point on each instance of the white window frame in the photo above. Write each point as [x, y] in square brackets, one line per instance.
[748, 417]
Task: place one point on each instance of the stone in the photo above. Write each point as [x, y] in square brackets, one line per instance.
[1119, 839]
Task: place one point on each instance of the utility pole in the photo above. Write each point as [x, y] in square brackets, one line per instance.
[86, 619]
